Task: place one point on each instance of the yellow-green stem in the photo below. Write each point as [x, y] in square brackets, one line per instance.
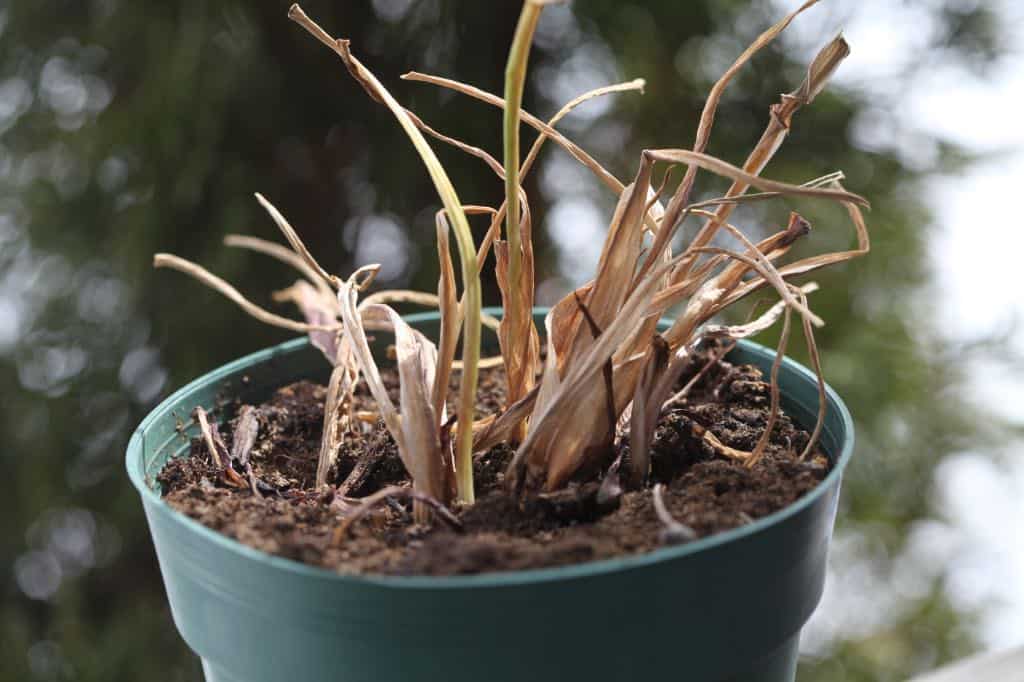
[515, 77]
[463, 239]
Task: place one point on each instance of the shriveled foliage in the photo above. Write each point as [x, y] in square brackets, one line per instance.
[607, 373]
[336, 323]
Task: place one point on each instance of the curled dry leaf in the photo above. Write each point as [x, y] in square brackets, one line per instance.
[575, 415]
[319, 311]
[417, 430]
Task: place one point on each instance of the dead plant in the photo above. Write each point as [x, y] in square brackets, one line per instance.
[608, 373]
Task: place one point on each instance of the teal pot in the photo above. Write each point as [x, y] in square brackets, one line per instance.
[727, 607]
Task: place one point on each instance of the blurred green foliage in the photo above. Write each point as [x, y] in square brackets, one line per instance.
[129, 128]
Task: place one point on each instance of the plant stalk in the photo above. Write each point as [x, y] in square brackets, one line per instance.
[463, 238]
[515, 78]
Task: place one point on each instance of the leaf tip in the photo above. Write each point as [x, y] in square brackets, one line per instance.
[267, 206]
[841, 44]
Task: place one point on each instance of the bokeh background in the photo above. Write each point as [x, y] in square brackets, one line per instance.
[133, 127]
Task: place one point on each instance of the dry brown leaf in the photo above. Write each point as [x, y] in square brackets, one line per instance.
[166, 260]
[781, 114]
[282, 254]
[293, 238]
[417, 430]
[318, 311]
[675, 212]
[644, 418]
[575, 414]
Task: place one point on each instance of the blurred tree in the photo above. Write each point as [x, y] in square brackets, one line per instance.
[130, 128]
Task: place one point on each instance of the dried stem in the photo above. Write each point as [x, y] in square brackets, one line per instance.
[818, 73]
[293, 239]
[773, 414]
[644, 419]
[675, 211]
[812, 349]
[575, 150]
[166, 260]
[211, 444]
[282, 254]
[367, 504]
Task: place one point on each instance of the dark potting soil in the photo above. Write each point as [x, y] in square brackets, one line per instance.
[704, 490]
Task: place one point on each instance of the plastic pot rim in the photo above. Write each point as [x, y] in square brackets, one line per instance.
[136, 471]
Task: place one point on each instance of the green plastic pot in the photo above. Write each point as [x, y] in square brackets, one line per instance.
[727, 607]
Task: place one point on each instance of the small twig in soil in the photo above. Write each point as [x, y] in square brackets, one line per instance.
[219, 453]
[247, 428]
[723, 449]
[360, 473]
[673, 533]
[712, 361]
[367, 504]
[212, 439]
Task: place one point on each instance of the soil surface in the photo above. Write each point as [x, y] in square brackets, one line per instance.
[705, 491]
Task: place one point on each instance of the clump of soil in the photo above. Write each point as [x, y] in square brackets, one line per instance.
[704, 490]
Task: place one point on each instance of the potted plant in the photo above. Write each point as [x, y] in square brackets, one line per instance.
[662, 532]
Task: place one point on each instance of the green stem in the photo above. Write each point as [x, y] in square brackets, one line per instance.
[471, 305]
